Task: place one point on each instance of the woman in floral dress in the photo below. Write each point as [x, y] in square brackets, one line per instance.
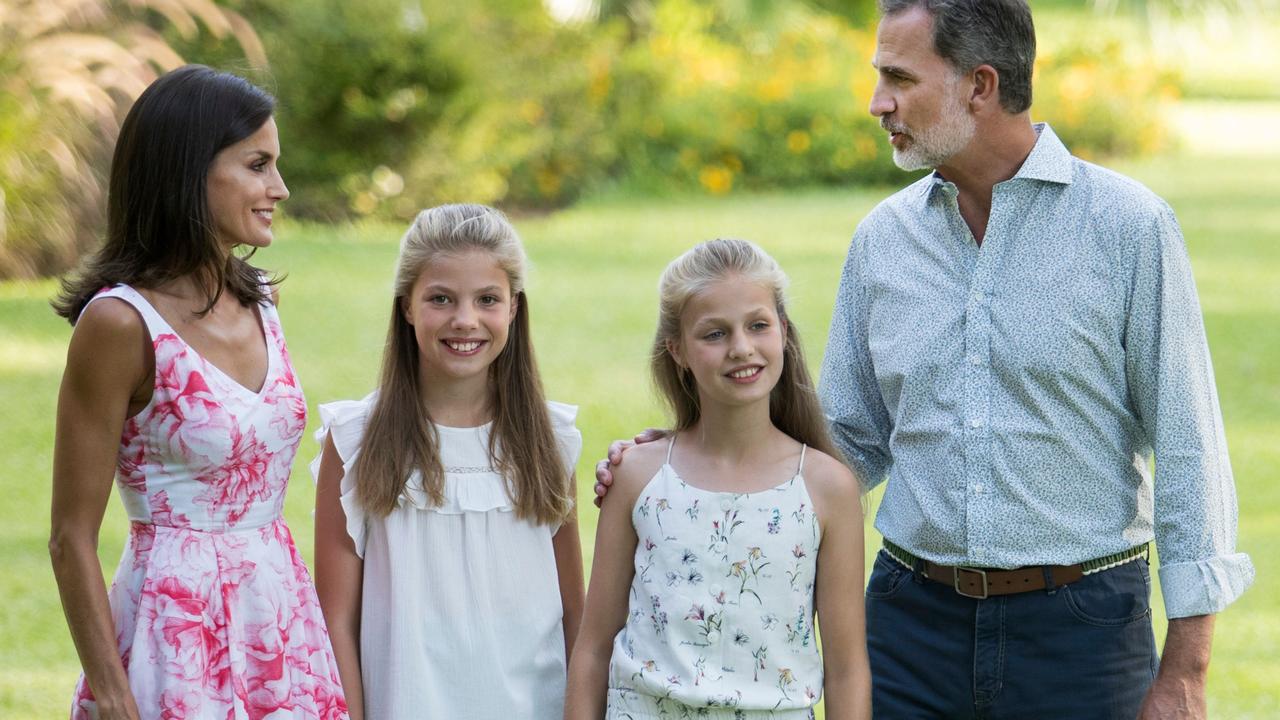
[178, 383]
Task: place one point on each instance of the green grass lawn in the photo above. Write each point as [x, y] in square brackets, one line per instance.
[592, 294]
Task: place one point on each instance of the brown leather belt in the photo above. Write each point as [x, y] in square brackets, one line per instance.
[981, 583]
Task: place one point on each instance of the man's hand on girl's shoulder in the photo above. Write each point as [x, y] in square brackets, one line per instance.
[604, 468]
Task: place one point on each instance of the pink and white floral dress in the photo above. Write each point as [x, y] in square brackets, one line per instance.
[215, 613]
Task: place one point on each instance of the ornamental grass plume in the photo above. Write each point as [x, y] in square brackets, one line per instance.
[69, 70]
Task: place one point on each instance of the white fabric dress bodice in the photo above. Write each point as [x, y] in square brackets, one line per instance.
[721, 607]
[461, 614]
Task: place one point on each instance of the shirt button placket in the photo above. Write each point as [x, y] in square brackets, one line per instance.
[976, 371]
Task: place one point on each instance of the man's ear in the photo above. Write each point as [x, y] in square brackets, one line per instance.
[404, 311]
[986, 88]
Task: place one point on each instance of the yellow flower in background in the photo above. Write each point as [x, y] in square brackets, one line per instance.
[798, 141]
[386, 182]
[364, 202]
[598, 66]
[716, 179]
[865, 146]
[733, 163]
[532, 112]
[548, 180]
[1077, 83]
[774, 89]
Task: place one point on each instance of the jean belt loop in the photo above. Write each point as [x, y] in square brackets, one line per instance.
[1050, 587]
[917, 570]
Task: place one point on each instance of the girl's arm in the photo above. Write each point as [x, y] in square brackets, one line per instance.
[339, 577]
[567, 545]
[838, 595]
[612, 569]
[107, 367]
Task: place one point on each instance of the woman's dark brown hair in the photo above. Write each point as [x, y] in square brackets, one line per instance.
[158, 223]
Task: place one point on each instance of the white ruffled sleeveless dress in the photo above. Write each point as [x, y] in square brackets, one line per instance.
[460, 613]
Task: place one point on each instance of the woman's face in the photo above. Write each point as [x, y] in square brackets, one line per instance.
[244, 186]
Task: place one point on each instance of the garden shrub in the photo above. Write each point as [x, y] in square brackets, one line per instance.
[389, 106]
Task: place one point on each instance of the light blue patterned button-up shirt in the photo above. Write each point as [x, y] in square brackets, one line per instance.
[1014, 392]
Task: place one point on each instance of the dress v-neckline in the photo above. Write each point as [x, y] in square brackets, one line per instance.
[241, 387]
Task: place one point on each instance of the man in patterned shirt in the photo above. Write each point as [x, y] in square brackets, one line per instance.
[1015, 335]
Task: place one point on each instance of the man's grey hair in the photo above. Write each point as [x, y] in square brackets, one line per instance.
[969, 33]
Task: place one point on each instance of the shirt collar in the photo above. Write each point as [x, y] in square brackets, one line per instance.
[1049, 161]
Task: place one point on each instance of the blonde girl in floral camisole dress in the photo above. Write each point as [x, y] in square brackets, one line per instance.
[716, 546]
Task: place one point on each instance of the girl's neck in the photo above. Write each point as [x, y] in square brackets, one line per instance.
[457, 402]
[734, 433]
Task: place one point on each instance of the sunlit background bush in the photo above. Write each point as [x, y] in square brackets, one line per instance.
[387, 106]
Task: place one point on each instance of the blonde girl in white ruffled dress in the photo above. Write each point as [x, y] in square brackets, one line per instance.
[717, 544]
[447, 554]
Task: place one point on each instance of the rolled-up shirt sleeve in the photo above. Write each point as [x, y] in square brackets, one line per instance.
[855, 411]
[1172, 388]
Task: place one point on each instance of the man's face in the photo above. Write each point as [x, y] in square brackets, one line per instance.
[920, 99]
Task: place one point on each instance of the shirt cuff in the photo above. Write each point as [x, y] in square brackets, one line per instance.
[1206, 586]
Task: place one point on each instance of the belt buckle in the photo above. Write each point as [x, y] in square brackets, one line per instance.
[980, 573]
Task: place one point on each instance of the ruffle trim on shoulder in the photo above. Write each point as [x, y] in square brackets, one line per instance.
[344, 421]
[568, 437]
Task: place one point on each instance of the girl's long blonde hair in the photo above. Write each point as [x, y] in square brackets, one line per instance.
[399, 437]
[793, 404]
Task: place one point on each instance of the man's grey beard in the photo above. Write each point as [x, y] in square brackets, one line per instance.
[935, 145]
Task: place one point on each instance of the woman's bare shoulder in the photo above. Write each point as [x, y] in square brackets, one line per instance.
[107, 323]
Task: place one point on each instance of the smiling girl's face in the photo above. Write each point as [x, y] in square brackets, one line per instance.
[732, 339]
[461, 310]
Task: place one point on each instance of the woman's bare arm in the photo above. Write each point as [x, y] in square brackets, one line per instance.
[108, 370]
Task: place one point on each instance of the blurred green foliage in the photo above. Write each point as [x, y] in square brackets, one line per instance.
[387, 106]
[401, 104]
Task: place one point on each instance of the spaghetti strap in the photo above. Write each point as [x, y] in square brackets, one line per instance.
[671, 442]
[800, 467]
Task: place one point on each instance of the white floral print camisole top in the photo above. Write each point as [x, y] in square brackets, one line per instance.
[721, 606]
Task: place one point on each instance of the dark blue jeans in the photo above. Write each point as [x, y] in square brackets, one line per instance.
[1082, 651]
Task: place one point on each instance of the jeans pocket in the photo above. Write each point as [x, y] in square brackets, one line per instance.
[887, 577]
[1111, 598]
